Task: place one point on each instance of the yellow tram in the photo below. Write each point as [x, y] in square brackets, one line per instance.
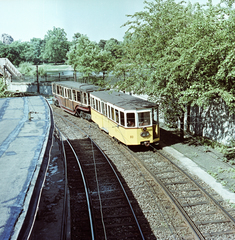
[131, 120]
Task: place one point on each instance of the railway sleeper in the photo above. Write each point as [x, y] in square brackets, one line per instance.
[175, 183]
[112, 206]
[211, 234]
[212, 222]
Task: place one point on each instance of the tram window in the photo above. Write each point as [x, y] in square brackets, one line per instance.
[58, 89]
[130, 119]
[99, 109]
[66, 92]
[144, 118]
[105, 109]
[78, 97]
[69, 93]
[62, 91]
[117, 115]
[84, 98]
[92, 103]
[96, 105]
[88, 95]
[155, 115]
[109, 112]
[74, 95]
[112, 113]
[102, 107]
[122, 118]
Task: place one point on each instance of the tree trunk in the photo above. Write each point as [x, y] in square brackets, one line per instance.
[182, 125]
[188, 118]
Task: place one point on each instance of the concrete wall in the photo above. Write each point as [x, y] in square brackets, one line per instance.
[45, 87]
[216, 122]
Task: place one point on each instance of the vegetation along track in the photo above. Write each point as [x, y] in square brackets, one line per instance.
[143, 178]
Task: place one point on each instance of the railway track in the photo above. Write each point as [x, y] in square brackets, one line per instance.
[100, 207]
[175, 205]
[203, 212]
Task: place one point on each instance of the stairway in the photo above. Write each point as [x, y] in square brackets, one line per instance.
[9, 69]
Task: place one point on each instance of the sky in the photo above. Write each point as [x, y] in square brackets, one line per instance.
[98, 19]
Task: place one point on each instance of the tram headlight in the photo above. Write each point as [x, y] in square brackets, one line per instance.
[145, 134]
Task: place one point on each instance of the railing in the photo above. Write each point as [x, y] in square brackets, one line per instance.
[5, 64]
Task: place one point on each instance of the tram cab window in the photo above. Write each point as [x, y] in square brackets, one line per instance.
[122, 118]
[155, 115]
[102, 107]
[144, 118]
[130, 119]
[117, 115]
[74, 95]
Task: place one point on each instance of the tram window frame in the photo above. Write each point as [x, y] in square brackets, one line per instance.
[54, 88]
[122, 118]
[99, 106]
[130, 119]
[62, 91]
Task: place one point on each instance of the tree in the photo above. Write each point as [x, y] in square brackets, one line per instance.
[56, 45]
[83, 56]
[35, 50]
[180, 55]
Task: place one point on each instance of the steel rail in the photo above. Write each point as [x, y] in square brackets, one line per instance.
[194, 229]
[223, 211]
[65, 230]
[85, 187]
[107, 159]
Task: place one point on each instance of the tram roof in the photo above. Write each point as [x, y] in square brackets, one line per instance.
[85, 87]
[122, 100]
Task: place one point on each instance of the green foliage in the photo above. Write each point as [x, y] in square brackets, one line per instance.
[180, 54]
[3, 89]
[28, 69]
[56, 46]
[86, 57]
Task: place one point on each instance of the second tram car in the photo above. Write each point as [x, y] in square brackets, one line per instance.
[74, 97]
[131, 120]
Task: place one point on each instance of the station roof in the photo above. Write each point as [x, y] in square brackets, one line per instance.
[85, 87]
[122, 100]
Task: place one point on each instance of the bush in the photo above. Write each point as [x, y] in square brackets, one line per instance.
[26, 69]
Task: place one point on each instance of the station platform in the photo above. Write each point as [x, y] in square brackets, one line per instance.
[26, 128]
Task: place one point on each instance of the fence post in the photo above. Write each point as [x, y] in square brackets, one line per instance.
[38, 88]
